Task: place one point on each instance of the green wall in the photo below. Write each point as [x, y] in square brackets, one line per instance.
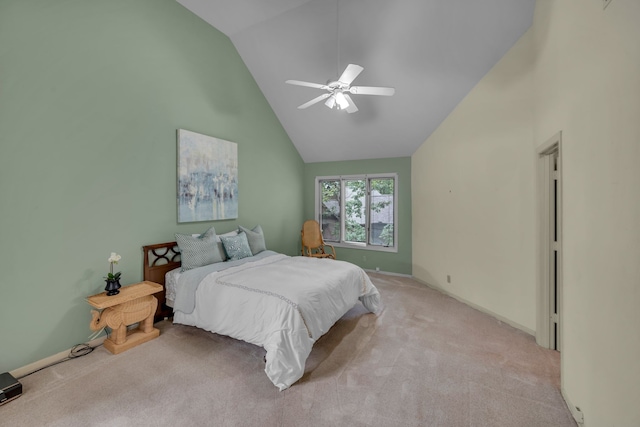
[91, 95]
[399, 262]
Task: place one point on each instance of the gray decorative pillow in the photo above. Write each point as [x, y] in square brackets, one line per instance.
[237, 247]
[196, 251]
[221, 246]
[255, 238]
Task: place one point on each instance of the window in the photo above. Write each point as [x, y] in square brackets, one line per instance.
[358, 211]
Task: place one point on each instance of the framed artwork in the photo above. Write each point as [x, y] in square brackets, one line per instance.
[207, 178]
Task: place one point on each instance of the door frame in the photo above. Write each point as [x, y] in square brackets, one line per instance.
[544, 296]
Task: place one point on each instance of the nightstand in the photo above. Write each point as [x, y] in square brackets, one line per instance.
[134, 304]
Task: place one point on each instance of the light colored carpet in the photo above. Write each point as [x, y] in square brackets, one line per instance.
[427, 360]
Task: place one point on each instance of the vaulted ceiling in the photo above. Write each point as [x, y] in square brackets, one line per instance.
[433, 52]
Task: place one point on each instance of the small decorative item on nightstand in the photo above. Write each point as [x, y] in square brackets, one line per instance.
[113, 280]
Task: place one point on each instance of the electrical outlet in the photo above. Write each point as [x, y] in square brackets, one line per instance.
[605, 3]
[448, 278]
[364, 257]
[377, 268]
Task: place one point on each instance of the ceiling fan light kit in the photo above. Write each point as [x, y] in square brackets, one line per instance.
[339, 90]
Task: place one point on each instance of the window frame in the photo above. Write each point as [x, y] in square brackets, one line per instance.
[367, 178]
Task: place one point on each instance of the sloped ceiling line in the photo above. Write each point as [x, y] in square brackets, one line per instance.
[432, 51]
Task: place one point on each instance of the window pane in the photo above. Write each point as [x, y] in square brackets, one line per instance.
[330, 218]
[381, 213]
[355, 208]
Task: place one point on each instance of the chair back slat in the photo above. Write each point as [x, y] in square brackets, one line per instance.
[311, 235]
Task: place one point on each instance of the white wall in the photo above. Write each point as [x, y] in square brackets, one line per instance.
[587, 84]
[474, 195]
[577, 70]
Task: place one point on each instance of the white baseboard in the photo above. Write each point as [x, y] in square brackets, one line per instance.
[575, 411]
[388, 273]
[32, 367]
[479, 308]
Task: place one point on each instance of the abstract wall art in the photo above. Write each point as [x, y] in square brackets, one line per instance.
[207, 178]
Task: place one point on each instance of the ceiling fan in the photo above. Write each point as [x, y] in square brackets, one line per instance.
[338, 91]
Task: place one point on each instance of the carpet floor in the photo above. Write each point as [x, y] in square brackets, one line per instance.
[426, 360]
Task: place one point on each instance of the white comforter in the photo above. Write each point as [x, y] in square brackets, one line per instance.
[281, 303]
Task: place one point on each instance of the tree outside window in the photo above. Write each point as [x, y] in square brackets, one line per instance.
[353, 205]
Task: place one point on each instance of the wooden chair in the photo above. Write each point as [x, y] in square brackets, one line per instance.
[312, 242]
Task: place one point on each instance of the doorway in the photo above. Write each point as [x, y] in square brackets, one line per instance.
[549, 293]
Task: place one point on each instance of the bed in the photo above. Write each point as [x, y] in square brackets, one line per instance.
[281, 303]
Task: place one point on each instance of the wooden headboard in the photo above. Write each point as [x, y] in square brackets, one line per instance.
[159, 259]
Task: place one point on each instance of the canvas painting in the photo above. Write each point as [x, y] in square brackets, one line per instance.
[207, 178]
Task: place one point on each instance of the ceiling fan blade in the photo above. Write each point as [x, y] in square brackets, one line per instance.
[352, 105]
[307, 84]
[370, 90]
[314, 101]
[350, 73]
